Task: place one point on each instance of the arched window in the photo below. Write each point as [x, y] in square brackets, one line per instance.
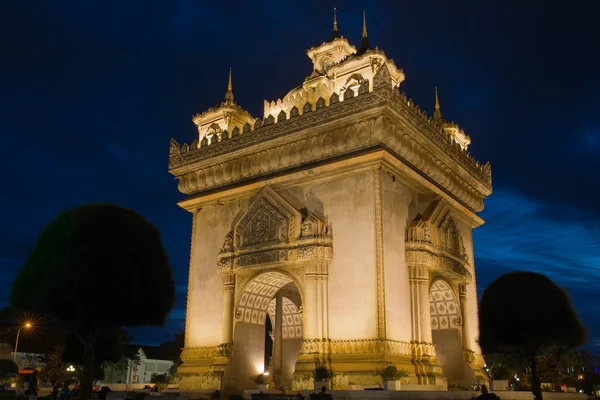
[307, 108]
[294, 112]
[247, 127]
[235, 132]
[320, 103]
[225, 135]
[269, 120]
[443, 307]
[348, 94]
[364, 87]
[258, 124]
[334, 99]
[282, 116]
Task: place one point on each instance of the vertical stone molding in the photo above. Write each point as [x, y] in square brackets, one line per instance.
[462, 295]
[381, 326]
[419, 301]
[315, 308]
[188, 308]
[227, 312]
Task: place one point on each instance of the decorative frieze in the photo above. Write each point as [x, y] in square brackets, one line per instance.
[467, 180]
[357, 347]
[204, 352]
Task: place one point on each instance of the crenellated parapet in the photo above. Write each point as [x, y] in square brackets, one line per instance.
[390, 120]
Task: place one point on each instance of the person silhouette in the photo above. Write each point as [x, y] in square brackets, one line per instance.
[486, 395]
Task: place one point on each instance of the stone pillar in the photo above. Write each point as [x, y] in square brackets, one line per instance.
[464, 310]
[227, 311]
[278, 340]
[324, 282]
[310, 307]
[419, 301]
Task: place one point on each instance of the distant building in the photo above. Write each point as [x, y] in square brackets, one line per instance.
[139, 369]
[26, 360]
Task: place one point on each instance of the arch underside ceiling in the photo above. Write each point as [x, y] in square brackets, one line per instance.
[291, 319]
[258, 300]
[443, 306]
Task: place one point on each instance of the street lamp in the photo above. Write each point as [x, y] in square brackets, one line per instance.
[70, 368]
[26, 326]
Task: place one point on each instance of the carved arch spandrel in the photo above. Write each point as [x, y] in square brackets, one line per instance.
[272, 233]
[269, 216]
[433, 241]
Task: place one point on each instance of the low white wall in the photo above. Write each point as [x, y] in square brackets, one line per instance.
[438, 395]
[125, 387]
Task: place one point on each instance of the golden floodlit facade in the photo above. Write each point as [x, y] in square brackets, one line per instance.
[335, 230]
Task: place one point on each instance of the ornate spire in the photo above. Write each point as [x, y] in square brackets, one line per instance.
[335, 28]
[335, 33]
[364, 43]
[229, 94]
[437, 114]
[364, 32]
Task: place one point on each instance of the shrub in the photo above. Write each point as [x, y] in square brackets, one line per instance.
[322, 373]
[391, 373]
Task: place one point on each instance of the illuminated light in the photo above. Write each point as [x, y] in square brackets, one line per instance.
[28, 325]
[266, 373]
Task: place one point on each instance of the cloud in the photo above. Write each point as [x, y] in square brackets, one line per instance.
[520, 234]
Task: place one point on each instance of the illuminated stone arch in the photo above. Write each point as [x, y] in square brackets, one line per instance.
[257, 300]
[291, 321]
[443, 306]
[213, 129]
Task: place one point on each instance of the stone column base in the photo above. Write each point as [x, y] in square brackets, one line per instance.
[355, 362]
[203, 367]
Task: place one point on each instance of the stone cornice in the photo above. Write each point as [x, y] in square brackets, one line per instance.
[381, 118]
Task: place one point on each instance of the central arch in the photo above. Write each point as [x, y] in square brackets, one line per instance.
[446, 330]
[268, 329]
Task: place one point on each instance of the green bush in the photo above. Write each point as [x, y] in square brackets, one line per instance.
[390, 373]
[322, 373]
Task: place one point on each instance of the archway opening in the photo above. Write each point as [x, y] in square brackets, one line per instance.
[268, 330]
[446, 331]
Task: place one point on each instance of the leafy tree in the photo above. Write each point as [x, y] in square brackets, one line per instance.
[528, 315]
[55, 370]
[97, 268]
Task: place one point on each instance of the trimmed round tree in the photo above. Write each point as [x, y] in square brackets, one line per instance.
[97, 268]
[528, 315]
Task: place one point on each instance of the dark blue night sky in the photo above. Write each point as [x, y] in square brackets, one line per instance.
[92, 91]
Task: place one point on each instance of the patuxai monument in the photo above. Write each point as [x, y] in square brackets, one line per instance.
[335, 229]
